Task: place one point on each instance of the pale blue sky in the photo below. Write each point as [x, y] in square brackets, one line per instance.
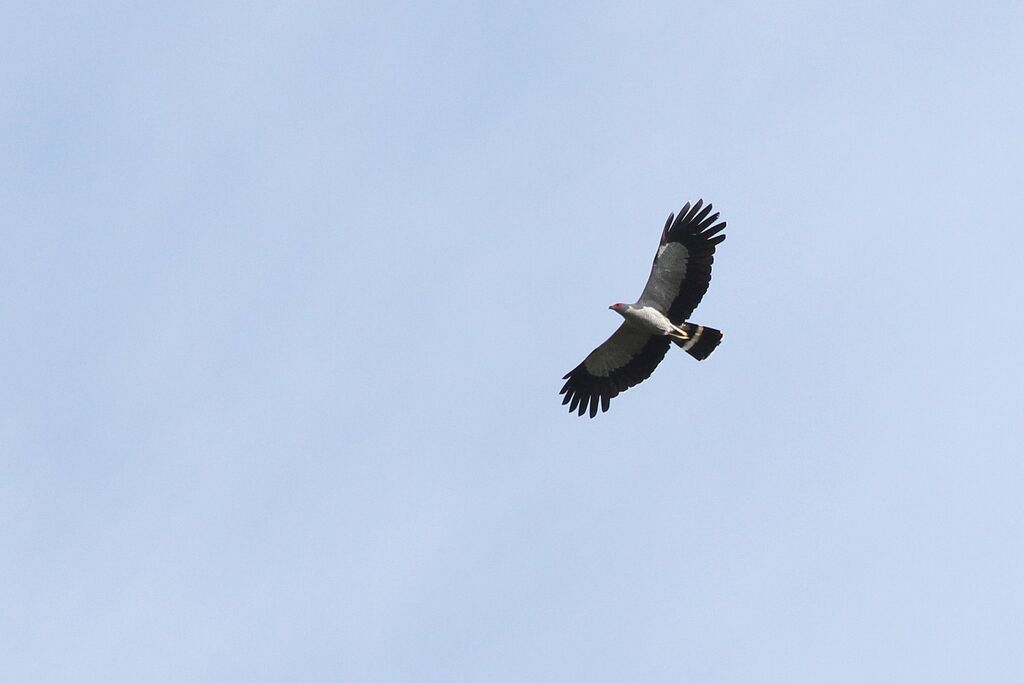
[288, 290]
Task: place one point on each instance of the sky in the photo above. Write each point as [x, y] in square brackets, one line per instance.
[288, 289]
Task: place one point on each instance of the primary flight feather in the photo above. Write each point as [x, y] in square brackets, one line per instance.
[679, 278]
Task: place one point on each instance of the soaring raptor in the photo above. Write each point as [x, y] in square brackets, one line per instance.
[679, 278]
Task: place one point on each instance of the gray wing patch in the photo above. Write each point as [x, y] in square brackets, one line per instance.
[667, 275]
[617, 351]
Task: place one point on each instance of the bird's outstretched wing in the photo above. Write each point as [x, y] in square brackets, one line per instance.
[625, 359]
[681, 271]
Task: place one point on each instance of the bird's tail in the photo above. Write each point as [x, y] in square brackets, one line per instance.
[699, 340]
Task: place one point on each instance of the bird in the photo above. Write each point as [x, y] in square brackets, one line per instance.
[679, 278]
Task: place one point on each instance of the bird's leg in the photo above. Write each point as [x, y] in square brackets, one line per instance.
[679, 333]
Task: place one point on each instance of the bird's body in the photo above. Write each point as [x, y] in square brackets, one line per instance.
[679, 278]
[646, 318]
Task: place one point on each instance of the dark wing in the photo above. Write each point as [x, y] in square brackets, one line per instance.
[625, 359]
[682, 267]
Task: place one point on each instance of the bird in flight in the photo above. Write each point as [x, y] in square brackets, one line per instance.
[679, 278]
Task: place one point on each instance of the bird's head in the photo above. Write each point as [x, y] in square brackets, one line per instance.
[618, 308]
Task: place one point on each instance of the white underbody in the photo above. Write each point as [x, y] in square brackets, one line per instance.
[648, 319]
